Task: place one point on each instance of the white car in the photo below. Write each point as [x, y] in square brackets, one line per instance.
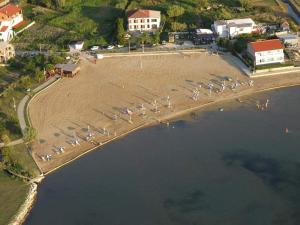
[110, 47]
[95, 48]
[120, 46]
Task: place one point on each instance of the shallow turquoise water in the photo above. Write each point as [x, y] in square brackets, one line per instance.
[236, 167]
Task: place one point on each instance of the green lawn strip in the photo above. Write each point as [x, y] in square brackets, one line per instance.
[12, 195]
[21, 154]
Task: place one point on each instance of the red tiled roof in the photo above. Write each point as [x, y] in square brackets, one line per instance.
[267, 45]
[3, 29]
[139, 13]
[20, 24]
[10, 10]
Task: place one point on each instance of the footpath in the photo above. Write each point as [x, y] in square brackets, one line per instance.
[22, 109]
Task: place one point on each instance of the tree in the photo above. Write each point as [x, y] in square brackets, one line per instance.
[203, 3]
[175, 26]
[120, 31]
[5, 139]
[60, 3]
[38, 75]
[144, 38]
[175, 11]
[245, 4]
[156, 37]
[25, 82]
[30, 134]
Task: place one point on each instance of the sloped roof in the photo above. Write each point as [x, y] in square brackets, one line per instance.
[20, 24]
[236, 22]
[267, 45]
[68, 67]
[10, 10]
[143, 13]
[3, 29]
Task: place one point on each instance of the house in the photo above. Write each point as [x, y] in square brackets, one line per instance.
[266, 52]
[143, 20]
[11, 17]
[7, 51]
[289, 40]
[68, 70]
[285, 26]
[235, 27]
[76, 45]
[203, 36]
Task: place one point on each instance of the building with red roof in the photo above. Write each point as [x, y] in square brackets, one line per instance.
[266, 52]
[143, 20]
[10, 16]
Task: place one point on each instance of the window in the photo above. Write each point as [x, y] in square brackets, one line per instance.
[154, 26]
[148, 20]
[142, 26]
[153, 20]
[148, 26]
[142, 21]
[136, 21]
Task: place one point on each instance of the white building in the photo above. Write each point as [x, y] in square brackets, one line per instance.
[204, 31]
[7, 51]
[143, 20]
[233, 28]
[289, 40]
[76, 46]
[266, 52]
[11, 17]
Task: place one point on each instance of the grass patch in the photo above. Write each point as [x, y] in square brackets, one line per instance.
[12, 196]
[22, 155]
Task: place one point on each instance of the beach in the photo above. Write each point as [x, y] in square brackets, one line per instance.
[118, 95]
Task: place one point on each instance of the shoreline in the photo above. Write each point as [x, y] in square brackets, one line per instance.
[26, 207]
[171, 116]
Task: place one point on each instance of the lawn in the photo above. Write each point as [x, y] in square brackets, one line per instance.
[21, 154]
[12, 195]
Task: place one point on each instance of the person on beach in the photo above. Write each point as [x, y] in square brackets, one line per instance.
[267, 103]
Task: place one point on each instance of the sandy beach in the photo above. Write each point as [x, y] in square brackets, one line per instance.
[96, 101]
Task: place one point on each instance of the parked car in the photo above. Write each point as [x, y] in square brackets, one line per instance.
[110, 47]
[94, 48]
[120, 46]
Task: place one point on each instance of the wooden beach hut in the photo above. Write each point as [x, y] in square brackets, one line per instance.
[67, 70]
